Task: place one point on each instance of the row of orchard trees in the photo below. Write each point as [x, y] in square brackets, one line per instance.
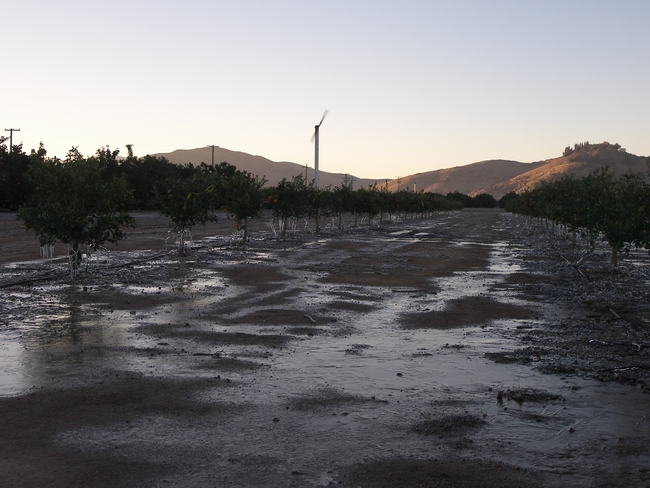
[297, 199]
[84, 201]
[600, 205]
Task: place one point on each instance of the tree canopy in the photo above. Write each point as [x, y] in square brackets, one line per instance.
[74, 204]
[599, 204]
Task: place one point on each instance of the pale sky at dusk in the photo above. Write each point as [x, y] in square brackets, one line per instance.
[411, 86]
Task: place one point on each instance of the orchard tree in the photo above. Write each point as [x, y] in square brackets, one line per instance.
[466, 200]
[242, 196]
[107, 159]
[368, 202]
[288, 199]
[625, 219]
[144, 175]
[188, 202]
[14, 185]
[598, 204]
[73, 204]
[505, 199]
[563, 202]
[341, 202]
[484, 200]
[317, 203]
[403, 202]
[385, 198]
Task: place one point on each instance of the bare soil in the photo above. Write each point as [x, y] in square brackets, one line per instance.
[471, 349]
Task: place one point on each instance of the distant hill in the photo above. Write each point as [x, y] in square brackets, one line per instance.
[274, 171]
[469, 179]
[583, 159]
[496, 177]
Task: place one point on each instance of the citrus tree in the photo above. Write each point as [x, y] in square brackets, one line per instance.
[625, 221]
[188, 202]
[288, 199]
[318, 203]
[341, 202]
[242, 196]
[14, 185]
[73, 204]
[368, 202]
[600, 204]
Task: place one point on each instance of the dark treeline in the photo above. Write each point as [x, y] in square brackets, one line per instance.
[482, 200]
[600, 205]
[140, 174]
[84, 200]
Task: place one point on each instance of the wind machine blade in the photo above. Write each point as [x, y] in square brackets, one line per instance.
[313, 137]
[323, 118]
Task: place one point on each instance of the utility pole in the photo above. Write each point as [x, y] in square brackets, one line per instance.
[305, 174]
[212, 154]
[399, 181]
[11, 138]
[348, 180]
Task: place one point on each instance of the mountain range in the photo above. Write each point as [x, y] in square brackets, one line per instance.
[496, 177]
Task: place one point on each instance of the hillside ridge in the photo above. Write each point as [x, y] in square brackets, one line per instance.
[496, 176]
[273, 171]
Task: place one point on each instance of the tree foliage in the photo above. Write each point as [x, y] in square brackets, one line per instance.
[72, 203]
[15, 187]
[600, 204]
[482, 200]
[83, 201]
[243, 198]
[288, 199]
[188, 202]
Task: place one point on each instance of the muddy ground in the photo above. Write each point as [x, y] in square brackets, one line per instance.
[470, 349]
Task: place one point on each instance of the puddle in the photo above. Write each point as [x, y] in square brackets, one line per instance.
[390, 349]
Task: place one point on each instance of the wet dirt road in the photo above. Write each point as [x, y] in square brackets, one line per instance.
[455, 351]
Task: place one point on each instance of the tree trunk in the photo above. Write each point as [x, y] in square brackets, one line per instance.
[75, 259]
[614, 260]
[181, 243]
[284, 227]
[340, 219]
[317, 225]
[245, 237]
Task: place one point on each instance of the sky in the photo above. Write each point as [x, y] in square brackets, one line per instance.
[410, 86]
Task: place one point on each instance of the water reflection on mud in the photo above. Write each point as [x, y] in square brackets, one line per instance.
[347, 336]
